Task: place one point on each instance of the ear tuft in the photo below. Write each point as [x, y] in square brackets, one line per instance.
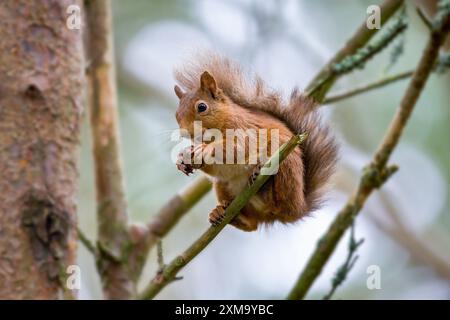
[178, 92]
[208, 84]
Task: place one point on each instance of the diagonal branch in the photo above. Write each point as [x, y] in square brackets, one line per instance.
[347, 266]
[87, 243]
[170, 271]
[326, 77]
[368, 87]
[441, 65]
[358, 60]
[377, 172]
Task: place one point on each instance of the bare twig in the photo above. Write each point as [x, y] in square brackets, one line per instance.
[344, 269]
[368, 87]
[112, 217]
[377, 172]
[441, 66]
[171, 270]
[424, 19]
[88, 244]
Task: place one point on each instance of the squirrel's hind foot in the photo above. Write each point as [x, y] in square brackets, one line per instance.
[217, 214]
[241, 221]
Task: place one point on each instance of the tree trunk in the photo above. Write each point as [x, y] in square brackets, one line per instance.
[41, 98]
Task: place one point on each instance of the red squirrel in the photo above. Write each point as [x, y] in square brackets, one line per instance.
[217, 92]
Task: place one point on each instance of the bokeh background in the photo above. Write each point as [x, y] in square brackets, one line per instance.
[286, 42]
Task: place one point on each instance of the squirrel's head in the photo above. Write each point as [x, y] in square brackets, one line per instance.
[207, 104]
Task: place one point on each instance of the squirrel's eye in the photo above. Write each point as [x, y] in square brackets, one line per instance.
[201, 107]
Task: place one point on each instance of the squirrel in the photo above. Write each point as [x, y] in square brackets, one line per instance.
[216, 91]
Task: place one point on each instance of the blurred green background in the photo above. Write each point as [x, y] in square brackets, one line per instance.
[286, 42]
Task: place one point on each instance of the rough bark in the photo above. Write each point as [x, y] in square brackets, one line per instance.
[41, 96]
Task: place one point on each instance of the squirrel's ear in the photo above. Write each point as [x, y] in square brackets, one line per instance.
[178, 92]
[208, 84]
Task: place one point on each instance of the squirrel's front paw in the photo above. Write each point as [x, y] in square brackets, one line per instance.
[188, 161]
[217, 214]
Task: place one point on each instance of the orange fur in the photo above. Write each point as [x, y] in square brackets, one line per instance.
[236, 102]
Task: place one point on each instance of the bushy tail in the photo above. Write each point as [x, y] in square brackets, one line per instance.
[320, 151]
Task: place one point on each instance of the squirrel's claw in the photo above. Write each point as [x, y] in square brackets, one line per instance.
[254, 175]
[188, 168]
[217, 214]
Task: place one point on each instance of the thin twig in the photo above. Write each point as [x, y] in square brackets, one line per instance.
[368, 87]
[88, 244]
[171, 270]
[441, 66]
[424, 19]
[346, 267]
[376, 173]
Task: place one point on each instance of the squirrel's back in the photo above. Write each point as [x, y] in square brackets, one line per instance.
[319, 151]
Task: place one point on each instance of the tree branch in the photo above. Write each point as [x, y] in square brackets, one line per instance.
[376, 173]
[326, 78]
[367, 87]
[358, 60]
[166, 219]
[424, 19]
[344, 269]
[87, 243]
[441, 66]
[170, 271]
[112, 217]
